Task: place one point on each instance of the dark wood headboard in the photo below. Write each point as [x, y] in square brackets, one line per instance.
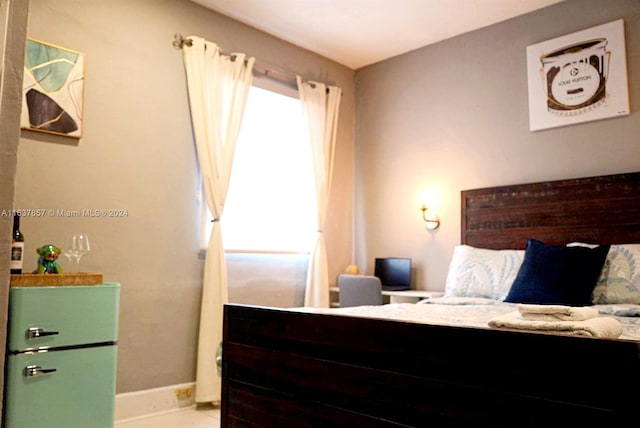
[599, 210]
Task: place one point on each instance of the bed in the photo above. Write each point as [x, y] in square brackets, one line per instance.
[307, 368]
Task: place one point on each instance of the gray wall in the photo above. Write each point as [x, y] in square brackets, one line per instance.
[454, 116]
[449, 116]
[137, 154]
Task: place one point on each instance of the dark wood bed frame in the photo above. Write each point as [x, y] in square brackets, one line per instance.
[284, 368]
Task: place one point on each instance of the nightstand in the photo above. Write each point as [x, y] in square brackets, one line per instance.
[411, 296]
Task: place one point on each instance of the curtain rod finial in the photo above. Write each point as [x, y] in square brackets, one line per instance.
[179, 41]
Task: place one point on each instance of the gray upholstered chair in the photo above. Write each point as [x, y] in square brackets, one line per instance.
[359, 290]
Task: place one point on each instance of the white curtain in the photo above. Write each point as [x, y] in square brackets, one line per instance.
[218, 86]
[320, 105]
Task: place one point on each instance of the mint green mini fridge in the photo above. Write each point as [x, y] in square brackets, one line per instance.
[61, 362]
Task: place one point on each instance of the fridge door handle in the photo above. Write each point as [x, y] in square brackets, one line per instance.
[35, 370]
[36, 332]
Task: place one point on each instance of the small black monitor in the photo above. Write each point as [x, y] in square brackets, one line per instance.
[394, 273]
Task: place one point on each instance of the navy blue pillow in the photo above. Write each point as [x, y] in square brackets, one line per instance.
[557, 275]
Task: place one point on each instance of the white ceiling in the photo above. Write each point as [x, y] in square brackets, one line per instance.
[356, 33]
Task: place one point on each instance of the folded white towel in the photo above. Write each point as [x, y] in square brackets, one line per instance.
[556, 312]
[605, 327]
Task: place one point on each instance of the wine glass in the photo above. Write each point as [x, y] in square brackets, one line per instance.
[75, 247]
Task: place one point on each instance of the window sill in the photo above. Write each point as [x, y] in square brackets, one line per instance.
[202, 253]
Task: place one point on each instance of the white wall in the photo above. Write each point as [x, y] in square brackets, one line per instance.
[13, 27]
[454, 116]
[267, 279]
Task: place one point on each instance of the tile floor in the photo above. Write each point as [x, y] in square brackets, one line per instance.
[200, 417]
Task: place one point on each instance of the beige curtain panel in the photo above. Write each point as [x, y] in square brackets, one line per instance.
[218, 86]
[321, 107]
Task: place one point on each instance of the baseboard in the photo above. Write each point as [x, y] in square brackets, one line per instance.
[138, 404]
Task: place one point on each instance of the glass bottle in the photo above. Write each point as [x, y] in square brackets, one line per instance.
[17, 247]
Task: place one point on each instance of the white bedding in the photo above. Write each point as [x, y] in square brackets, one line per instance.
[472, 312]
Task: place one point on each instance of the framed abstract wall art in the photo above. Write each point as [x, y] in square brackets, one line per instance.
[578, 78]
[53, 89]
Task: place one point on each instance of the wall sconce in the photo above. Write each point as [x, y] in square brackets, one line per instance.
[430, 218]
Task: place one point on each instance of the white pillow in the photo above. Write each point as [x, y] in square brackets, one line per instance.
[481, 272]
[619, 280]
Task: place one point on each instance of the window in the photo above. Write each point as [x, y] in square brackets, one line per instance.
[270, 203]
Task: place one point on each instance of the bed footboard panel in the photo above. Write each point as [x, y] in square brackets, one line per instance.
[291, 369]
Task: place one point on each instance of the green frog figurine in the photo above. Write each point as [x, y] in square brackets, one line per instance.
[48, 254]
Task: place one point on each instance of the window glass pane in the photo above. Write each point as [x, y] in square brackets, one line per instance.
[271, 203]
